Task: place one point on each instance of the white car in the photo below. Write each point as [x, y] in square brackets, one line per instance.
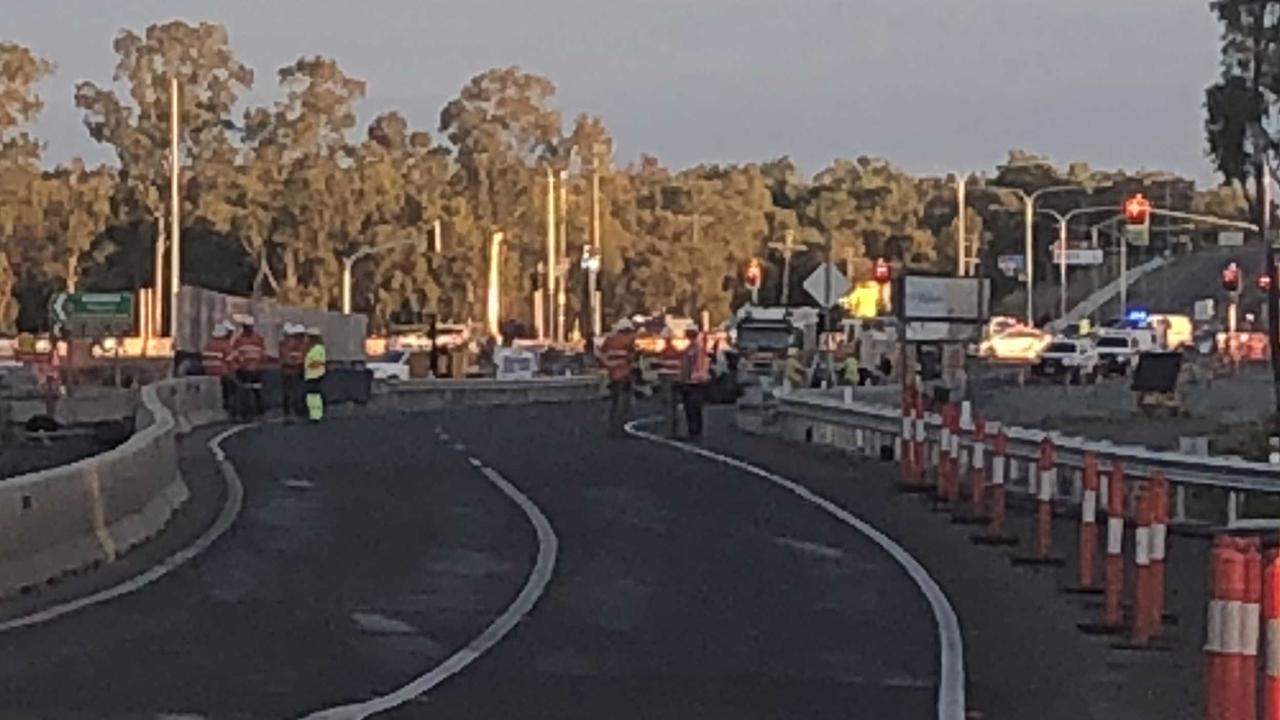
[1022, 344]
[1117, 354]
[392, 366]
[1073, 360]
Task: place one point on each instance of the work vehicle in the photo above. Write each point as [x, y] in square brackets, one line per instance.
[1020, 344]
[1117, 354]
[1072, 360]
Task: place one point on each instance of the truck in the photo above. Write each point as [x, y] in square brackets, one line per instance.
[764, 335]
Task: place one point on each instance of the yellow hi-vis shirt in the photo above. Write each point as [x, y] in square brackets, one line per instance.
[316, 360]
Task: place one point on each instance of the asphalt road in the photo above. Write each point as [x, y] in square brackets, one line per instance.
[370, 550]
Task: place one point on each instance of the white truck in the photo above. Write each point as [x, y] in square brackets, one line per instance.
[1073, 360]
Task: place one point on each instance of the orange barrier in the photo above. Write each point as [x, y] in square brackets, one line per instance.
[1271, 619]
[1159, 542]
[1089, 523]
[1231, 640]
[1142, 631]
[978, 468]
[1046, 484]
[1114, 570]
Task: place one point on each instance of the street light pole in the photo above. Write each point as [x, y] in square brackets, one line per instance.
[349, 261]
[175, 211]
[1028, 221]
[1064, 223]
[786, 247]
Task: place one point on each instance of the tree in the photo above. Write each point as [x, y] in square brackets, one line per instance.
[1241, 110]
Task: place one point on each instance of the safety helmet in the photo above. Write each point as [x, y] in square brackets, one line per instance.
[623, 325]
[243, 319]
[221, 330]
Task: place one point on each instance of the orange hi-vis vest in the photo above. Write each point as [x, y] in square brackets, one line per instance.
[214, 356]
[670, 361]
[696, 364]
[617, 352]
[249, 352]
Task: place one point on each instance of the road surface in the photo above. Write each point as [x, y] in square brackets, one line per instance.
[370, 550]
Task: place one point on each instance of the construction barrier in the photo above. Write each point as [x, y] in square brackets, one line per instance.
[1089, 523]
[1047, 484]
[978, 469]
[1113, 592]
[1142, 627]
[1159, 548]
[1231, 640]
[1271, 620]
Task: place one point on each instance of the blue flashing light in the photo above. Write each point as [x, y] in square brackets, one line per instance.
[1137, 317]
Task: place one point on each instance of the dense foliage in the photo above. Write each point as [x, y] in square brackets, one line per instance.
[274, 197]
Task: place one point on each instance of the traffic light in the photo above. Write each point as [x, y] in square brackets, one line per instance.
[1137, 210]
[1231, 278]
[754, 274]
[881, 271]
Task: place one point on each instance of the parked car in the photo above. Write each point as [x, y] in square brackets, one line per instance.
[1117, 354]
[1072, 360]
[391, 366]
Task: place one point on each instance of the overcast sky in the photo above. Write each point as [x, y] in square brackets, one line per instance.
[933, 85]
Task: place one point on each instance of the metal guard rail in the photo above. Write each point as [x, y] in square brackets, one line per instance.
[1225, 472]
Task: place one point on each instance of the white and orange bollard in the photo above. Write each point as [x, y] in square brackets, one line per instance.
[1231, 642]
[1250, 622]
[1089, 526]
[1047, 484]
[978, 470]
[1271, 625]
[1113, 566]
[995, 494]
[906, 446]
[1142, 631]
[1159, 548]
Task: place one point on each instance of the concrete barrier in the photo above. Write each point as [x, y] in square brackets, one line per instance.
[75, 516]
[420, 395]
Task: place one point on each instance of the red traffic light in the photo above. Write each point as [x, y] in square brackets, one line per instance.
[754, 274]
[1137, 210]
[881, 271]
[1231, 278]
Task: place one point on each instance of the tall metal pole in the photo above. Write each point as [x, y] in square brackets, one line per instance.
[1062, 268]
[1028, 218]
[551, 253]
[157, 292]
[596, 249]
[962, 246]
[493, 303]
[787, 239]
[347, 262]
[562, 290]
[175, 210]
[1124, 273]
[1273, 293]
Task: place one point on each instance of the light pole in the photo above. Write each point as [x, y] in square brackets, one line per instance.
[1064, 220]
[349, 261]
[786, 247]
[175, 212]
[1028, 220]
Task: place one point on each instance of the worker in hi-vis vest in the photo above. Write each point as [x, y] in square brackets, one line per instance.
[313, 374]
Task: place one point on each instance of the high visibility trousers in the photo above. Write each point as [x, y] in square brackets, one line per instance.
[315, 401]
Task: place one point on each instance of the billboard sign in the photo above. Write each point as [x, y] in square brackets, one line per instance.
[1078, 254]
[943, 309]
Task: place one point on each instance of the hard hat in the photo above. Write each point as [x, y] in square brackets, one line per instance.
[313, 330]
[293, 328]
[623, 325]
[242, 319]
[221, 330]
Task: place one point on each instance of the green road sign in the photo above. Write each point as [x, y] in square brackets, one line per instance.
[93, 314]
[1139, 235]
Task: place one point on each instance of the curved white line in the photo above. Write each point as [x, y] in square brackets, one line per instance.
[534, 586]
[951, 644]
[226, 517]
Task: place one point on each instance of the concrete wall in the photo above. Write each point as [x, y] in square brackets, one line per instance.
[71, 517]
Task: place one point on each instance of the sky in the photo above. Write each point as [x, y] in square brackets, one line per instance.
[933, 85]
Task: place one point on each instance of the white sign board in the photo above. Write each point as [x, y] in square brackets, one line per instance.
[1078, 256]
[1204, 310]
[941, 331]
[1230, 238]
[816, 285]
[945, 298]
[514, 364]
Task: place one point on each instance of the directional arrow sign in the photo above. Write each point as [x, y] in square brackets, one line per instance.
[817, 287]
[93, 314]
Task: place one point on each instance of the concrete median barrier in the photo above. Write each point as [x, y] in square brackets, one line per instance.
[420, 395]
[75, 516]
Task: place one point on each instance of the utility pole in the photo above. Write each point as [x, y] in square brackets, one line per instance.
[786, 247]
[596, 309]
[157, 292]
[1062, 268]
[175, 210]
[962, 251]
[493, 304]
[551, 261]
[1029, 247]
[562, 290]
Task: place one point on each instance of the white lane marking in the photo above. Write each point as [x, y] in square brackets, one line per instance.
[379, 624]
[459, 447]
[226, 517]
[543, 566]
[950, 642]
[475, 462]
[297, 483]
[810, 548]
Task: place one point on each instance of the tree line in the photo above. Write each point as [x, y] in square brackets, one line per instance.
[275, 196]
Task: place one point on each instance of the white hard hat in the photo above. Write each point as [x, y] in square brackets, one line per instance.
[623, 325]
[242, 319]
[293, 328]
[221, 330]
